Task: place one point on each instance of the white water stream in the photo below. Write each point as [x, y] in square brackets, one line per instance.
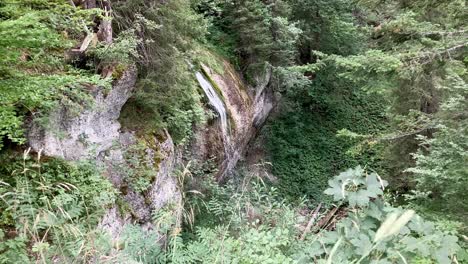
[218, 105]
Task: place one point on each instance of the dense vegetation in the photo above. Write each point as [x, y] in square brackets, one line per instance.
[380, 84]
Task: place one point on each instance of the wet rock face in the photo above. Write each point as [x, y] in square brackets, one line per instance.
[247, 109]
[92, 131]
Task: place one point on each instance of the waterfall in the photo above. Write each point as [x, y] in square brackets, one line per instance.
[218, 105]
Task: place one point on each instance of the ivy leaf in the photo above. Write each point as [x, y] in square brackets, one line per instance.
[359, 198]
[362, 244]
[335, 190]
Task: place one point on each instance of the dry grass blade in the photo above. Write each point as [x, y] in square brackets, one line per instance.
[393, 224]
[385, 226]
[333, 251]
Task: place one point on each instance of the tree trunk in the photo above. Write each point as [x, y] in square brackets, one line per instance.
[88, 4]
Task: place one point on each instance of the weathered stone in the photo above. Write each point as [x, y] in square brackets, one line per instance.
[247, 107]
[162, 192]
[95, 134]
[89, 133]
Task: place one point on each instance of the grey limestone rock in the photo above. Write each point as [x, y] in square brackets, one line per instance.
[86, 135]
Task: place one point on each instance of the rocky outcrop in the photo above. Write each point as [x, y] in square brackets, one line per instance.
[74, 136]
[162, 192]
[94, 134]
[247, 107]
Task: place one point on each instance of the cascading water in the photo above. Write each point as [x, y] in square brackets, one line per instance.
[218, 105]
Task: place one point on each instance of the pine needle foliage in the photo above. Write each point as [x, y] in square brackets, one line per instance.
[167, 93]
[35, 73]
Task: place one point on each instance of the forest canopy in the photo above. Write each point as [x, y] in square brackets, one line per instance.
[367, 144]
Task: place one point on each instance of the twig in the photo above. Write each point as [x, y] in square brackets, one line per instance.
[403, 135]
[327, 218]
[428, 57]
[311, 221]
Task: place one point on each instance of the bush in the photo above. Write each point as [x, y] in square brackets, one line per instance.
[34, 71]
[50, 207]
[262, 228]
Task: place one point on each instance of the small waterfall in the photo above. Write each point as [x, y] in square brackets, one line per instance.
[218, 104]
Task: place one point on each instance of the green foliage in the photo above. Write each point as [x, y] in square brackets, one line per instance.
[357, 191]
[414, 58]
[253, 34]
[140, 246]
[122, 50]
[50, 207]
[327, 26]
[139, 171]
[220, 37]
[375, 231]
[264, 32]
[262, 228]
[418, 63]
[345, 68]
[166, 95]
[35, 74]
[440, 171]
[302, 142]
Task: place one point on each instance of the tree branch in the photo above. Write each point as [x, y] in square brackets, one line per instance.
[311, 221]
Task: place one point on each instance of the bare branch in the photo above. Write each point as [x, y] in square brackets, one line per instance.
[428, 57]
[407, 134]
[311, 221]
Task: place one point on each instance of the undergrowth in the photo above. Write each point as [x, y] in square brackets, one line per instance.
[251, 223]
[303, 144]
[50, 208]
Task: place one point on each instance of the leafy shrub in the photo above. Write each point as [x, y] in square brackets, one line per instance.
[34, 70]
[50, 207]
[261, 229]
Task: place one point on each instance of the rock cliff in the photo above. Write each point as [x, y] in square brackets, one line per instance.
[96, 134]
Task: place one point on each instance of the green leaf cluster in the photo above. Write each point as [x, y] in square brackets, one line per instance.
[50, 206]
[167, 93]
[35, 73]
[372, 232]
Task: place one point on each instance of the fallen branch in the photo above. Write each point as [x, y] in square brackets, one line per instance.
[324, 221]
[311, 221]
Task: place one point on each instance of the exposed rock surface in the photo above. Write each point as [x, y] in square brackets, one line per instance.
[91, 132]
[162, 192]
[95, 134]
[248, 107]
